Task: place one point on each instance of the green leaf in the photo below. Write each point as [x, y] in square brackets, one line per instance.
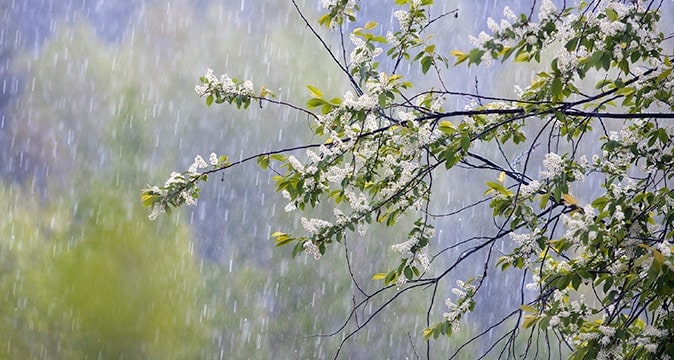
[475, 56]
[391, 277]
[315, 92]
[460, 56]
[529, 321]
[465, 142]
[209, 100]
[263, 161]
[528, 308]
[625, 91]
[379, 276]
[148, 199]
[282, 238]
[601, 83]
[611, 14]
[428, 332]
[600, 202]
[408, 273]
[522, 57]
[498, 187]
[278, 157]
[544, 200]
[326, 19]
[658, 257]
[556, 88]
[316, 102]
[575, 281]
[426, 63]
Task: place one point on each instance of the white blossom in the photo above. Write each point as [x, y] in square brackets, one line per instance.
[314, 226]
[405, 246]
[509, 14]
[650, 330]
[423, 259]
[291, 206]
[174, 178]
[189, 199]
[361, 53]
[403, 17]
[247, 88]
[482, 38]
[651, 347]
[213, 159]
[492, 25]
[530, 189]
[362, 229]
[611, 28]
[199, 163]
[392, 39]
[328, 3]
[210, 77]
[295, 164]
[358, 202]
[363, 102]
[554, 165]
[201, 90]
[312, 249]
[618, 214]
[157, 209]
[547, 11]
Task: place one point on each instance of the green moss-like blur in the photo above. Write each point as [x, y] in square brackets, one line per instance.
[97, 282]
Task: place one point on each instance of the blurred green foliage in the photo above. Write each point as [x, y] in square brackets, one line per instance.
[84, 280]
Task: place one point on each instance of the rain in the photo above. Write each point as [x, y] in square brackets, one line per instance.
[98, 101]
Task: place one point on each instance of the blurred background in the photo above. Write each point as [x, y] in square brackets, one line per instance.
[97, 100]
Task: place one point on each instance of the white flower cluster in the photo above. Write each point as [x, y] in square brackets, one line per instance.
[224, 86]
[296, 164]
[531, 188]
[363, 102]
[357, 200]
[157, 210]
[406, 246]
[553, 164]
[380, 85]
[336, 174]
[464, 292]
[199, 163]
[608, 332]
[649, 336]
[314, 226]
[348, 8]
[403, 17]
[407, 19]
[312, 249]
[568, 61]
[526, 243]
[362, 53]
[547, 11]
[577, 223]
[421, 255]
[177, 188]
